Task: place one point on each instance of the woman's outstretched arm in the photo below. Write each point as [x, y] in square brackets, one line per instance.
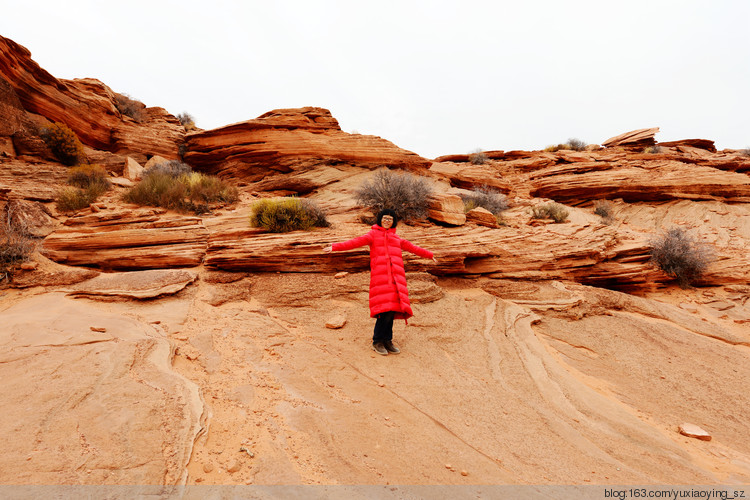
[359, 241]
[411, 247]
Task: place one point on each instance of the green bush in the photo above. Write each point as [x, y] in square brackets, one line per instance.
[478, 157]
[130, 107]
[551, 210]
[486, 198]
[287, 214]
[16, 245]
[63, 143]
[680, 255]
[405, 193]
[175, 186]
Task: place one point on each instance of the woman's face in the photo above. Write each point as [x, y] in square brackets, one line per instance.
[386, 222]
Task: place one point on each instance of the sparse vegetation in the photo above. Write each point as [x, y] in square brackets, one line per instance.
[175, 186]
[282, 215]
[551, 210]
[405, 193]
[486, 198]
[477, 157]
[63, 143]
[87, 183]
[572, 145]
[16, 245]
[653, 149]
[605, 210]
[187, 121]
[86, 175]
[745, 152]
[680, 255]
[130, 107]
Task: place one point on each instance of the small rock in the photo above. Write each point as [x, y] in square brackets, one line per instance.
[341, 274]
[235, 467]
[198, 479]
[336, 322]
[98, 329]
[29, 266]
[381, 384]
[481, 216]
[464, 473]
[693, 431]
[182, 337]
[208, 467]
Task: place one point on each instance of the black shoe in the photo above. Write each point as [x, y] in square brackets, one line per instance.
[391, 348]
[379, 348]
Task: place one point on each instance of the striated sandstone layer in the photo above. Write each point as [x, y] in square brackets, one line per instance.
[129, 239]
[287, 140]
[87, 107]
[647, 181]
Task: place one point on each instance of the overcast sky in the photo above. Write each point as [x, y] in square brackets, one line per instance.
[434, 77]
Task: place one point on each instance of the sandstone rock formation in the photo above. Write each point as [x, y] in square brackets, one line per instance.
[129, 239]
[87, 107]
[209, 359]
[288, 140]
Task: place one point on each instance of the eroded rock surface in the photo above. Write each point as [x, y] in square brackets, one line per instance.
[107, 407]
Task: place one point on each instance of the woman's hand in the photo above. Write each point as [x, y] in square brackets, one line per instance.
[328, 249]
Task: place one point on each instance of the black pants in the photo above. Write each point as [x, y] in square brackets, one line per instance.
[383, 327]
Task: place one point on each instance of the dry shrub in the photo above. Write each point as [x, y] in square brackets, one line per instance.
[187, 121]
[130, 107]
[16, 245]
[175, 186]
[287, 214]
[63, 143]
[405, 193]
[478, 157]
[86, 175]
[653, 150]
[486, 198]
[680, 255]
[605, 210]
[745, 152]
[551, 210]
[572, 145]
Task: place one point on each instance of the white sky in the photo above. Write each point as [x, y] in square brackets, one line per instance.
[434, 77]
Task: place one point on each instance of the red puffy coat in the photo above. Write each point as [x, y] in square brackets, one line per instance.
[388, 290]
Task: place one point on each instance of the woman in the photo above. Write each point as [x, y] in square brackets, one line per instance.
[389, 297]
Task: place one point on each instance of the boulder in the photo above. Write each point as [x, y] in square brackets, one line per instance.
[447, 208]
[482, 217]
[635, 139]
[133, 170]
[155, 160]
